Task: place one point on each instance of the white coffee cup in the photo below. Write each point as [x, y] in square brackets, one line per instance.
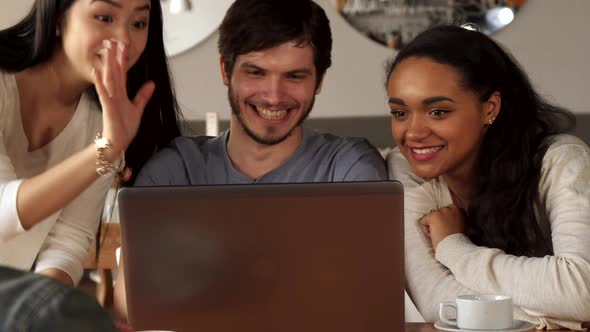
[479, 312]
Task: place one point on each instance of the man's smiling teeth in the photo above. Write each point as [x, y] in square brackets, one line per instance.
[270, 115]
[427, 151]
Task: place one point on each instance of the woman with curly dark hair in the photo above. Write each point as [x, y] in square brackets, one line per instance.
[497, 197]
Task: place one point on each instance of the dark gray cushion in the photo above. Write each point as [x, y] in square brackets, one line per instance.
[33, 303]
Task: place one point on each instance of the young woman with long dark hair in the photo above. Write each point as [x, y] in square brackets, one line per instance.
[84, 90]
[497, 197]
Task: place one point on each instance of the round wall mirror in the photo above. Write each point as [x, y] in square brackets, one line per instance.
[13, 11]
[393, 23]
[188, 22]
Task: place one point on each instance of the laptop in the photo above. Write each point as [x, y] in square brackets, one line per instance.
[264, 257]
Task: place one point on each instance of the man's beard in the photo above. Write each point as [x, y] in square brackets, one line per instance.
[235, 107]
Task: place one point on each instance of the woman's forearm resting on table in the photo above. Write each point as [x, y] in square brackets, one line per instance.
[552, 286]
[548, 286]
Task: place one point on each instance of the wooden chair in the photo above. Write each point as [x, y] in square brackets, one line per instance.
[107, 261]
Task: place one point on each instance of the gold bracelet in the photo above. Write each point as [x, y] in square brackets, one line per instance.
[103, 167]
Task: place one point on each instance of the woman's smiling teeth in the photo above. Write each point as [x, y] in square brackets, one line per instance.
[427, 150]
[270, 115]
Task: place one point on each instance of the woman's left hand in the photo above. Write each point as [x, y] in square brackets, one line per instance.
[121, 117]
[439, 224]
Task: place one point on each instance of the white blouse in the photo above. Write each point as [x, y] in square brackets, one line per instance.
[61, 240]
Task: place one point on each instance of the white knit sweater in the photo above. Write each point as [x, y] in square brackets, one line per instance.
[60, 241]
[552, 291]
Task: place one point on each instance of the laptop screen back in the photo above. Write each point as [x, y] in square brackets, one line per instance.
[272, 257]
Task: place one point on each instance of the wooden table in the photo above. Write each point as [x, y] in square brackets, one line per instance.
[429, 327]
[110, 241]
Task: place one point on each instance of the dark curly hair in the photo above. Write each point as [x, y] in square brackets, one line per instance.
[503, 211]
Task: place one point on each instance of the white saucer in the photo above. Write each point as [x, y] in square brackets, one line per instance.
[517, 326]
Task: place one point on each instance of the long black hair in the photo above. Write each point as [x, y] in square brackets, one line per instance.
[504, 211]
[33, 40]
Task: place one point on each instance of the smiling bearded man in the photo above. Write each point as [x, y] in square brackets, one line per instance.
[273, 58]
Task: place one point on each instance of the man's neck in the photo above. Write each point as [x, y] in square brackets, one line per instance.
[254, 159]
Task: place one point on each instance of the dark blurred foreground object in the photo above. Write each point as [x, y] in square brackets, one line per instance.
[33, 303]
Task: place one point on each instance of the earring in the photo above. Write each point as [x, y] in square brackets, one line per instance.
[491, 120]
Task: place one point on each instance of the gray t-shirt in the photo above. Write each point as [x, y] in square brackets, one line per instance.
[204, 160]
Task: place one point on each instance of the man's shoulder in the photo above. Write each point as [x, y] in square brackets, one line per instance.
[339, 144]
[196, 141]
[345, 158]
[190, 146]
[179, 160]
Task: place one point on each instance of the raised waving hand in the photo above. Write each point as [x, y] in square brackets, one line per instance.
[121, 116]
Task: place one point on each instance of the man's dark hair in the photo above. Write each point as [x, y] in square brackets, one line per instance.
[255, 25]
